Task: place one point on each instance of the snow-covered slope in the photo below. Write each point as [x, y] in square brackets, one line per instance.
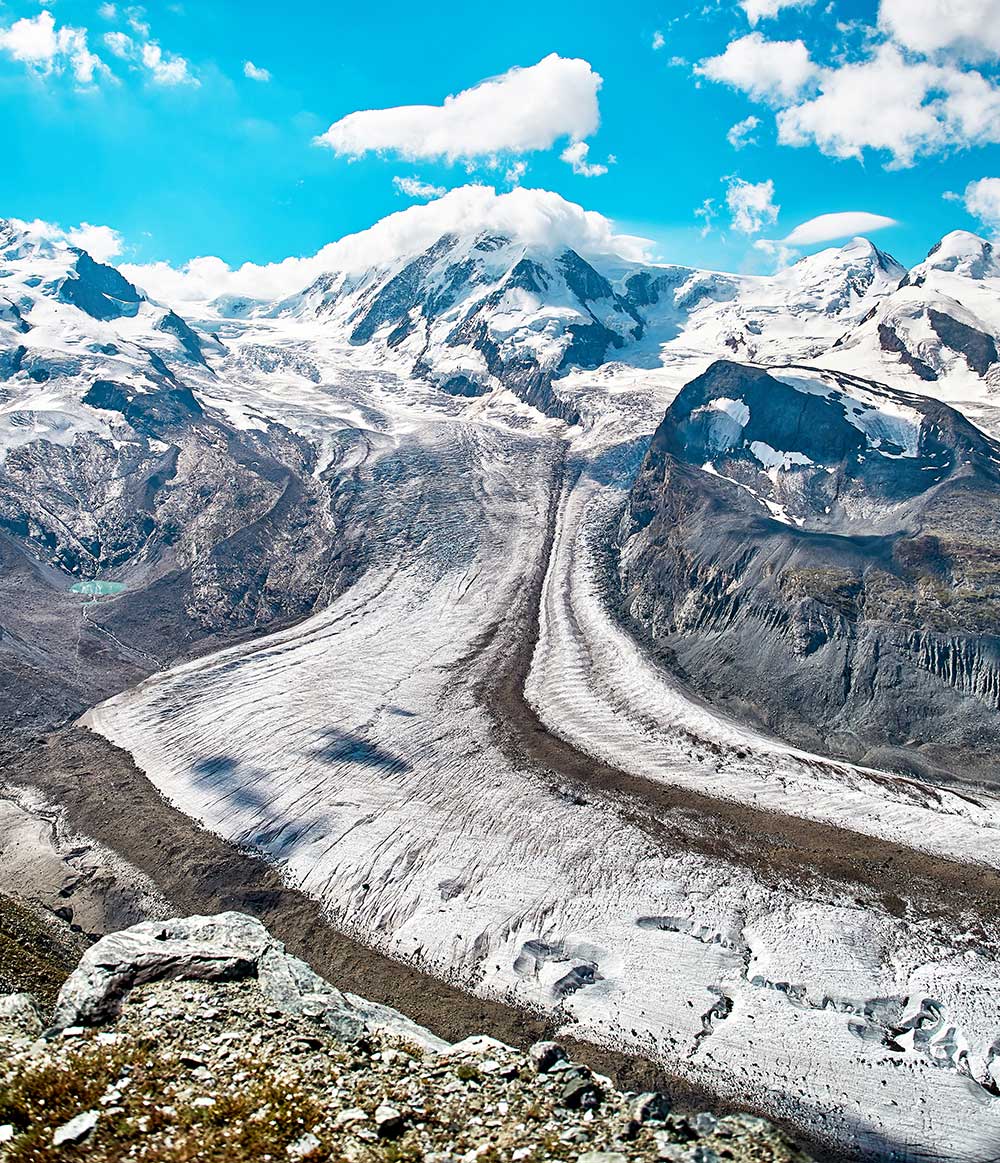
[939, 332]
[411, 472]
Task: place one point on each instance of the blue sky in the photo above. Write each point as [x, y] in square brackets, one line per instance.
[159, 133]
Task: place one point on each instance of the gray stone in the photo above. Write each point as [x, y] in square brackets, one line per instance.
[390, 1122]
[226, 947]
[545, 1055]
[651, 1107]
[580, 1091]
[76, 1130]
[19, 1014]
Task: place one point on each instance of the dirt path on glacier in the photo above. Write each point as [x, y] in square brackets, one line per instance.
[773, 845]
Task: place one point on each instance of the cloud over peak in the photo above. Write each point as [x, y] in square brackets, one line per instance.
[534, 217]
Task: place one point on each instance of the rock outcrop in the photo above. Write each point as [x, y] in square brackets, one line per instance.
[203, 1039]
[822, 555]
[226, 947]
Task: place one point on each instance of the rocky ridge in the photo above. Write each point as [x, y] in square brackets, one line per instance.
[821, 554]
[203, 1039]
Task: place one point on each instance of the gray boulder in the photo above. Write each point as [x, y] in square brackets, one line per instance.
[226, 947]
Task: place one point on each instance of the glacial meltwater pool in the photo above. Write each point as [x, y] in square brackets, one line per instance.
[97, 588]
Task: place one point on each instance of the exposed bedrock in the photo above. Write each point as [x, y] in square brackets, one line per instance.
[821, 555]
[204, 532]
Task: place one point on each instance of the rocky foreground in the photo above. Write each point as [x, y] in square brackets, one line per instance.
[202, 1039]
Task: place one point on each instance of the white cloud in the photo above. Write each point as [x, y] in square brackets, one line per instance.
[775, 71]
[894, 104]
[658, 41]
[166, 68]
[525, 109]
[163, 68]
[538, 217]
[255, 73]
[107, 12]
[766, 9]
[37, 42]
[707, 213]
[742, 133]
[575, 155]
[415, 188]
[515, 172]
[751, 205]
[827, 227]
[889, 99]
[982, 200]
[966, 29]
[102, 243]
[120, 44]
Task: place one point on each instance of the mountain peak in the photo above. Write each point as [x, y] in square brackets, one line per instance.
[964, 253]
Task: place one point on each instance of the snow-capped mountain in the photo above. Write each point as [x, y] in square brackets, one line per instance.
[478, 311]
[941, 325]
[361, 539]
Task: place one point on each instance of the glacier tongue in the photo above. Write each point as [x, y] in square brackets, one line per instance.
[361, 751]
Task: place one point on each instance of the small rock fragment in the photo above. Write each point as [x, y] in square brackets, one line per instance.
[580, 1091]
[6, 1133]
[602, 1157]
[389, 1122]
[304, 1147]
[669, 1149]
[353, 1114]
[705, 1123]
[76, 1130]
[651, 1107]
[545, 1055]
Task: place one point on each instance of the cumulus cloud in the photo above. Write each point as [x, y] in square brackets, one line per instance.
[523, 110]
[166, 68]
[658, 41]
[102, 243]
[766, 9]
[255, 73]
[751, 205]
[891, 103]
[982, 200]
[828, 227]
[515, 172]
[120, 44]
[415, 188]
[538, 217]
[40, 44]
[162, 68]
[575, 155]
[889, 98]
[774, 71]
[966, 29]
[742, 133]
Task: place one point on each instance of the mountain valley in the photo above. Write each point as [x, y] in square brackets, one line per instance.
[612, 642]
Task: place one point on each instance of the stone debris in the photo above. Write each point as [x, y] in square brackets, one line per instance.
[197, 1062]
[76, 1129]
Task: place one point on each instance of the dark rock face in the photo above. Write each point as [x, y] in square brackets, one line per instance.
[889, 340]
[99, 290]
[821, 555]
[979, 349]
[215, 532]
